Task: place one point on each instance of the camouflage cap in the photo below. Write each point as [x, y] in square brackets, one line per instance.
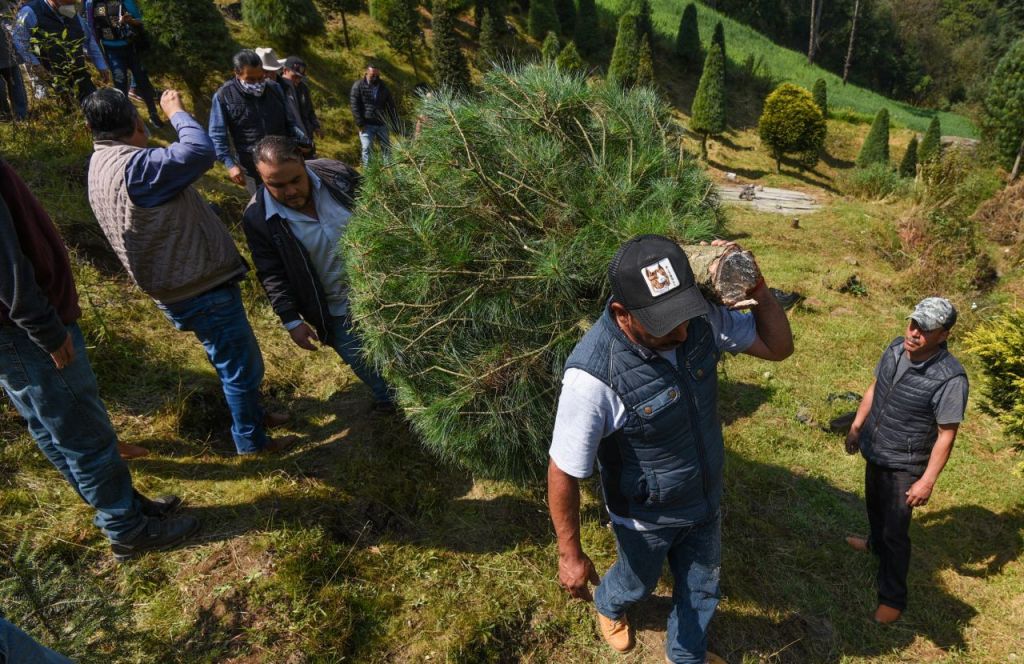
[932, 313]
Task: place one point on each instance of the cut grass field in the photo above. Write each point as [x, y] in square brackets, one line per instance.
[358, 546]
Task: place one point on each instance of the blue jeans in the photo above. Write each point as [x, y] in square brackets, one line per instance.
[694, 555]
[217, 318]
[17, 647]
[125, 59]
[350, 348]
[70, 424]
[366, 136]
[12, 85]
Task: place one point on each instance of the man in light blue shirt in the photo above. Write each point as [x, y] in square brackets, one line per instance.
[293, 225]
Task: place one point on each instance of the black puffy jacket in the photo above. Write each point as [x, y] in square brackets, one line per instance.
[368, 110]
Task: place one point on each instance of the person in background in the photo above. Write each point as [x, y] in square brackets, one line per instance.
[13, 99]
[118, 26]
[293, 82]
[142, 196]
[42, 32]
[271, 65]
[373, 109]
[245, 109]
[45, 371]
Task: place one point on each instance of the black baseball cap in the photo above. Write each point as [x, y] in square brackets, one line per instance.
[652, 278]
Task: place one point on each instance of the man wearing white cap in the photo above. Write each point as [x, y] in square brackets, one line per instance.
[271, 65]
[905, 428]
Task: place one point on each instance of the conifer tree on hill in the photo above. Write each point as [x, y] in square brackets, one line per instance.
[550, 49]
[688, 48]
[344, 8]
[707, 116]
[588, 30]
[622, 69]
[908, 165]
[1003, 119]
[645, 26]
[401, 22]
[566, 12]
[450, 67]
[931, 145]
[821, 96]
[186, 37]
[542, 19]
[290, 21]
[645, 65]
[791, 123]
[490, 50]
[569, 60]
[876, 146]
[718, 37]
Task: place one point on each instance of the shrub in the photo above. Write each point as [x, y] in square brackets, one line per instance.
[569, 60]
[908, 165]
[290, 21]
[708, 113]
[931, 144]
[550, 48]
[791, 123]
[542, 19]
[450, 67]
[622, 69]
[187, 38]
[688, 47]
[876, 146]
[479, 257]
[876, 181]
[645, 65]
[492, 26]
[566, 12]
[821, 96]
[588, 30]
[1003, 121]
[999, 344]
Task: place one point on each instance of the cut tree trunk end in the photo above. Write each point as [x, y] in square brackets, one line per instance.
[724, 274]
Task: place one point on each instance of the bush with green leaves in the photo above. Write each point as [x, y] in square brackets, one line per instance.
[999, 344]
[451, 70]
[820, 92]
[908, 165]
[542, 19]
[622, 69]
[875, 149]
[478, 258]
[708, 112]
[791, 124]
[290, 21]
[874, 182]
[588, 30]
[186, 38]
[931, 145]
[569, 60]
[1003, 121]
[550, 49]
[688, 48]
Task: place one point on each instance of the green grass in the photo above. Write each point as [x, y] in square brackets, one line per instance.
[785, 65]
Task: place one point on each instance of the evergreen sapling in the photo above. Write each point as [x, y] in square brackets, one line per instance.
[490, 50]
[450, 67]
[708, 112]
[542, 19]
[622, 69]
[550, 48]
[791, 123]
[688, 48]
[931, 145]
[290, 21]
[908, 165]
[821, 96]
[876, 146]
[718, 37]
[645, 65]
[569, 60]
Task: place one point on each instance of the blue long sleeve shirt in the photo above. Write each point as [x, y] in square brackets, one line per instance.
[156, 175]
[222, 139]
[22, 33]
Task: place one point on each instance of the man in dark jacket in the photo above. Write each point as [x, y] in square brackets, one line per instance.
[12, 85]
[905, 428]
[46, 374]
[374, 110]
[640, 396]
[293, 226]
[245, 109]
[293, 82]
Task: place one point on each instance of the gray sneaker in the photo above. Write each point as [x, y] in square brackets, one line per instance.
[157, 535]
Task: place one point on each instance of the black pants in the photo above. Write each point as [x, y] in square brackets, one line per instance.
[885, 492]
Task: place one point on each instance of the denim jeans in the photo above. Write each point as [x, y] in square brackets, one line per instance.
[125, 59]
[217, 318]
[16, 646]
[694, 555]
[885, 492]
[70, 424]
[350, 348]
[12, 86]
[366, 136]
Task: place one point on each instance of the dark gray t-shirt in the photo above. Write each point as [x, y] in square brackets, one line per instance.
[949, 401]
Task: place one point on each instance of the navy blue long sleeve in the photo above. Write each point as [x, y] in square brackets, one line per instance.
[156, 175]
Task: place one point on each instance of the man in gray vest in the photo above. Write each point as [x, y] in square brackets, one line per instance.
[175, 248]
[640, 395]
[905, 428]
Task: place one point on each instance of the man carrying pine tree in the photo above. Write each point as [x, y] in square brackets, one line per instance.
[639, 395]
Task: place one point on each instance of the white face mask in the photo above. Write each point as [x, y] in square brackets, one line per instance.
[68, 11]
[255, 89]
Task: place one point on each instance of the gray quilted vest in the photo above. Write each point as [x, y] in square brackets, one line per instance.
[901, 429]
[665, 465]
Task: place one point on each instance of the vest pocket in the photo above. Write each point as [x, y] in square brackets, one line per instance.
[652, 407]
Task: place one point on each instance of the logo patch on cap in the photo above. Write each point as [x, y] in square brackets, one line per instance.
[660, 277]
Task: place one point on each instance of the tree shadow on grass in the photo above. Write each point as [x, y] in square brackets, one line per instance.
[748, 173]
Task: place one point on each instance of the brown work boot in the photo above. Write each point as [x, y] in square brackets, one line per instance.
[274, 420]
[616, 632]
[279, 445]
[886, 614]
[858, 543]
[129, 452]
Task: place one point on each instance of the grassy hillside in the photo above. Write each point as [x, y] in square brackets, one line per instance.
[784, 65]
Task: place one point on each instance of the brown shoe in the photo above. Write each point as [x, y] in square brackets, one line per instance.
[274, 420]
[886, 614]
[279, 445]
[128, 452]
[858, 543]
[616, 633]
